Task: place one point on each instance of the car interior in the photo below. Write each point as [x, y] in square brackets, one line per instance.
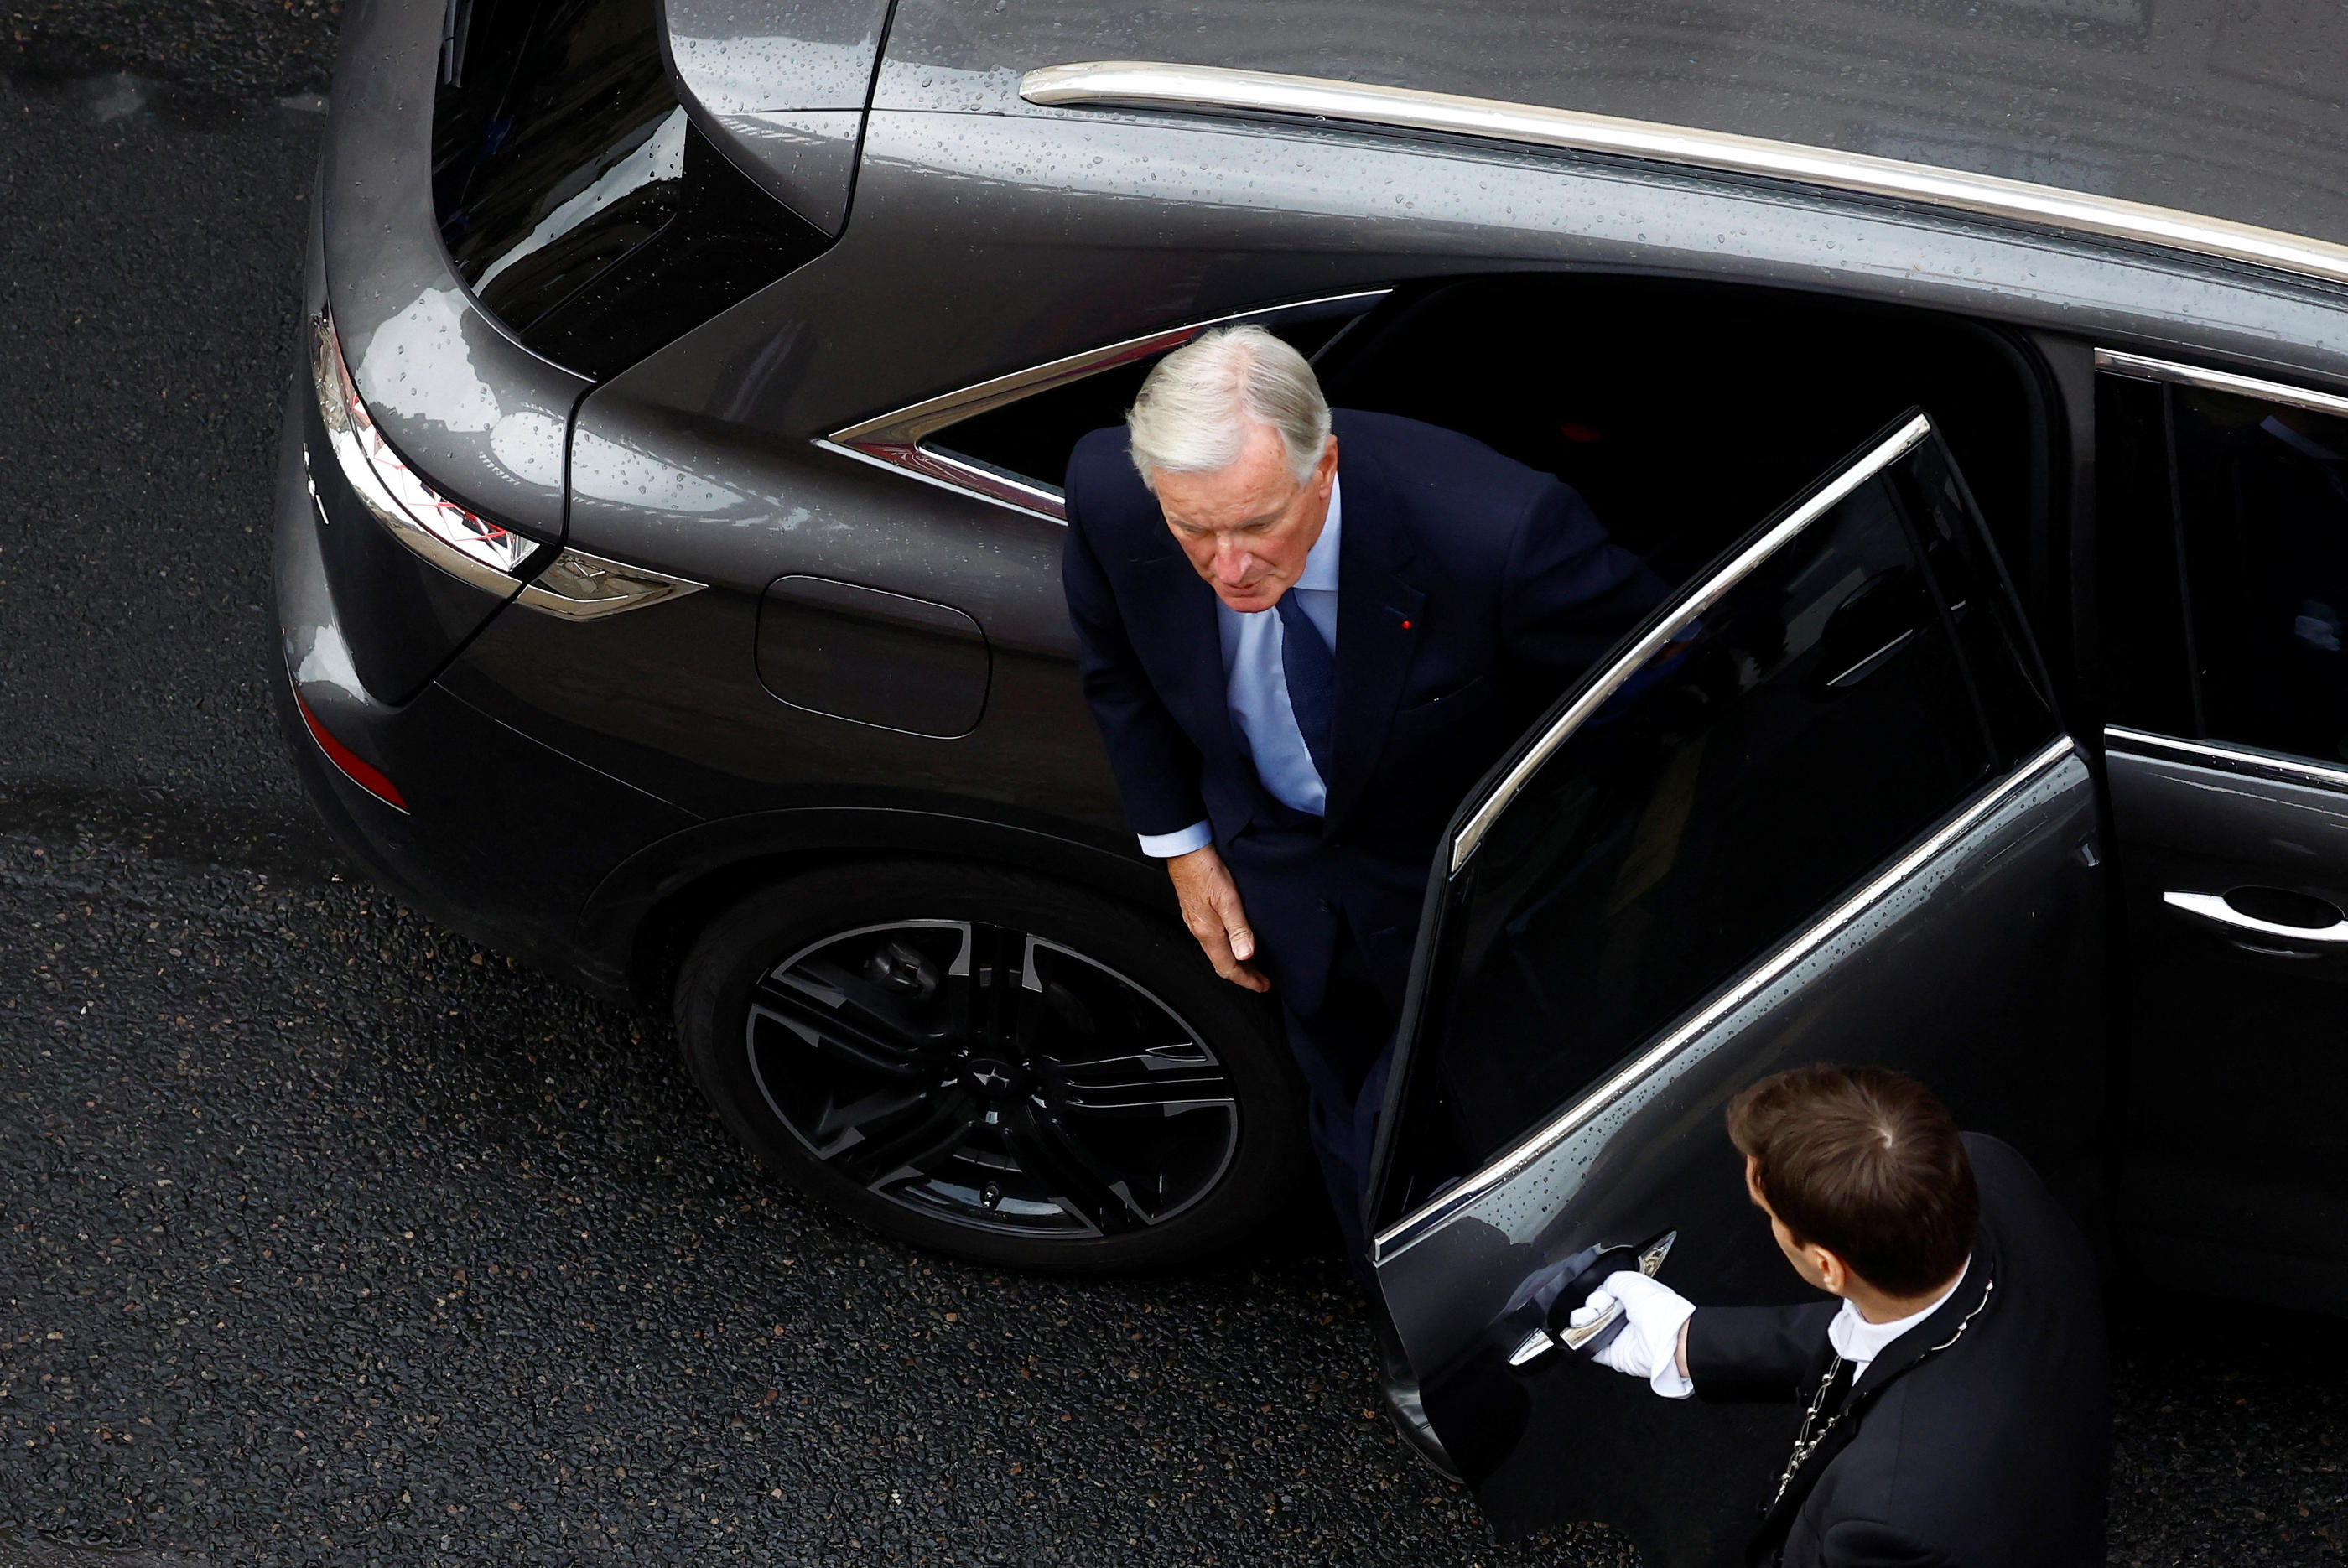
[1686, 417]
[1684, 414]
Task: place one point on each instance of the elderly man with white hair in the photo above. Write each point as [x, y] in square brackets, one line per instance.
[1304, 635]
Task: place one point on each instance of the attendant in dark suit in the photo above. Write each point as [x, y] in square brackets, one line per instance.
[1304, 636]
[1954, 1400]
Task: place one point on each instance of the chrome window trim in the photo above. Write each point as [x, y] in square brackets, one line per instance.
[2250, 764]
[1160, 85]
[1889, 452]
[949, 472]
[1430, 1216]
[2138, 367]
[897, 440]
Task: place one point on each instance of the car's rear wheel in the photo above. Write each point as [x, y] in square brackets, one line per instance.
[992, 1065]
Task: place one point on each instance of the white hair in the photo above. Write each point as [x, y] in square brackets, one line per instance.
[1193, 413]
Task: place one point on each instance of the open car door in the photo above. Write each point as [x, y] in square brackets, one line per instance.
[1821, 809]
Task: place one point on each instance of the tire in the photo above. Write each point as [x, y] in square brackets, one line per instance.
[1118, 1106]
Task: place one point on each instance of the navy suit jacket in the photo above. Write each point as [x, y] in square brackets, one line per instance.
[1471, 590]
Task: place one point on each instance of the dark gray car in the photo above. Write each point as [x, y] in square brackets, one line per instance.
[667, 559]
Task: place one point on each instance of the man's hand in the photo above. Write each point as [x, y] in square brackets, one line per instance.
[1211, 909]
[1653, 1344]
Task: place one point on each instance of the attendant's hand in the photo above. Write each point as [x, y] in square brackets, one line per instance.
[1211, 909]
[1652, 1343]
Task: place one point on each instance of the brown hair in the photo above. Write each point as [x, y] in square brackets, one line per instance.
[1864, 1162]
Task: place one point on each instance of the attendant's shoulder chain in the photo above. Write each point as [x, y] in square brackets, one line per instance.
[1813, 1432]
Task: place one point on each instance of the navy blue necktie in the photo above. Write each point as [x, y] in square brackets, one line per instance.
[1312, 672]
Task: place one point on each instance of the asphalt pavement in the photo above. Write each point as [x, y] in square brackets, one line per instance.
[326, 1236]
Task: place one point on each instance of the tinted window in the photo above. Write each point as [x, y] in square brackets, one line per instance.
[1972, 587]
[576, 200]
[1814, 723]
[2262, 494]
[547, 145]
[2146, 676]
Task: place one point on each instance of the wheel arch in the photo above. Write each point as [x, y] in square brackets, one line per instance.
[644, 915]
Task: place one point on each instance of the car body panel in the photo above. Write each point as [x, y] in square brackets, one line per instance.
[451, 851]
[319, 662]
[805, 158]
[2225, 110]
[1979, 973]
[460, 399]
[2236, 1147]
[880, 658]
[783, 85]
[402, 616]
[738, 515]
[1218, 90]
[747, 56]
[2223, 730]
[659, 897]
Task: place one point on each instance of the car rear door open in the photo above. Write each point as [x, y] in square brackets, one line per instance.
[1821, 810]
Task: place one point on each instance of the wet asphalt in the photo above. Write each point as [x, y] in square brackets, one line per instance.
[326, 1236]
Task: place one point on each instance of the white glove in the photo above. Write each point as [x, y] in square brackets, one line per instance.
[1648, 1345]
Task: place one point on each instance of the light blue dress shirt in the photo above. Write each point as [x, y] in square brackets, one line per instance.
[1255, 688]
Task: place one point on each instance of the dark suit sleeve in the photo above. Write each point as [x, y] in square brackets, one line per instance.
[1757, 1349]
[1865, 1543]
[1156, 767]
[1572, 592]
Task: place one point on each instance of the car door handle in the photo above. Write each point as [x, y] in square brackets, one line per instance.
[1591, 1338]
[2219, 908]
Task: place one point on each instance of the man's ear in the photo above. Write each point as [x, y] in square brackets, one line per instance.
[1833, 1273]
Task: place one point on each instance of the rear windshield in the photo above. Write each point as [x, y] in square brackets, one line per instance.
[548, 147]
[576, 199]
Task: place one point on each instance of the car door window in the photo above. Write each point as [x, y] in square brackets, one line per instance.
[2262, 492]
[1801, 729]
[2225, 560]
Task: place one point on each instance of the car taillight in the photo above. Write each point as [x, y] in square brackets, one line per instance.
[462, 543]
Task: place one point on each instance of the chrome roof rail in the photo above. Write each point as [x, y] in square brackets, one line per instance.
[1152, 85]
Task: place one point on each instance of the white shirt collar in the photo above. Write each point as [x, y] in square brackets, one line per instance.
[1860, 1342]
[1321, 561]
[2305, 446]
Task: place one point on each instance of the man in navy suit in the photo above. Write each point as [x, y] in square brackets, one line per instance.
[1305, 635]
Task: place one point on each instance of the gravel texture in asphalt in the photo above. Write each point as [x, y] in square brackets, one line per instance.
[326, 1236]
[234, 48]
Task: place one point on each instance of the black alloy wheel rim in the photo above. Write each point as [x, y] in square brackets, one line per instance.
[989, 1077]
